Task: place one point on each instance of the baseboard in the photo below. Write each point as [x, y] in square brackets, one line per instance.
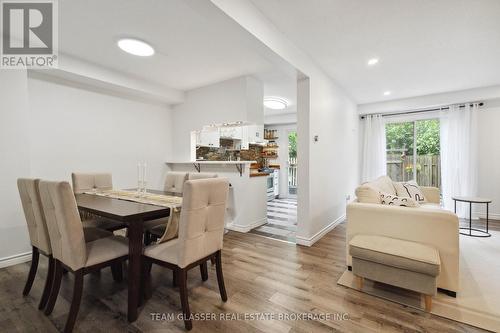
[246, 228]
[491, 216]
[310, 241]
[14, 260]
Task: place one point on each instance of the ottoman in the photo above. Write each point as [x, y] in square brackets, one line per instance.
[396, 262]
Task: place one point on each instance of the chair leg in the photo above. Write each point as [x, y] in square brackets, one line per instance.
[212, 260]
[146, 271]
[35, 255]
[117, 271]
[54, 290]
[220, 277]
[75, 301]
[204, 271]
[48, 284]
[147, 238]
[175, 278]
[182, 275]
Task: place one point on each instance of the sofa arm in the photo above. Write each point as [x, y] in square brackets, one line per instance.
[432, 194]
[435, 227]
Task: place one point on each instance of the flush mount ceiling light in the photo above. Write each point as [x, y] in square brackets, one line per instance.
[275, 103]
[372, 61]
[387, 93]
[136, 47]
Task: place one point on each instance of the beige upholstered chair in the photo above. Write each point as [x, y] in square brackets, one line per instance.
[39, 235]
[87, 182]
[174, 184]
[68, 244]
[201, 175]
[201, 229]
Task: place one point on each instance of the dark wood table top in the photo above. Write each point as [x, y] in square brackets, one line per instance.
[120, 210]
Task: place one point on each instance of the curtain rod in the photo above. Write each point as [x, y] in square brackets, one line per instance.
[416, 111]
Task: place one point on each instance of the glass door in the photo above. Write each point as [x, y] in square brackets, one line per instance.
[292, 163]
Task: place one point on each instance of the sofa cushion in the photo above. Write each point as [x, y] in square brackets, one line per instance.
[394, 200]
[398, 253]
[409, 189]
[369, 192]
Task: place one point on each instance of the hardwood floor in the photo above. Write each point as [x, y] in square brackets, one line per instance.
[261, 275]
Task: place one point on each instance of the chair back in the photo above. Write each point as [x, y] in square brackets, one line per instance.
[174, 182]
[201, 225]
[64, 224]
[33, 213]
[201, 175]
[83, 182]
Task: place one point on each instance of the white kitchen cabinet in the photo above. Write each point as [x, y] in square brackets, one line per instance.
[245, 142]
[209, 138]
[256, 133]
[231, 132]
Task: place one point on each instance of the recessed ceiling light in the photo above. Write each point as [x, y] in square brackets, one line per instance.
[387, 93]
[275, 103]
[372, 61]
[136, 47]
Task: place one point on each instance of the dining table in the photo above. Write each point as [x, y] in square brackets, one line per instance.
[133, 215]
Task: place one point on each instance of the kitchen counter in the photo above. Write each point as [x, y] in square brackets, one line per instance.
[241, 216]
[259, 174]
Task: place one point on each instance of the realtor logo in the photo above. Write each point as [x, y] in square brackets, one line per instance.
[29, 38]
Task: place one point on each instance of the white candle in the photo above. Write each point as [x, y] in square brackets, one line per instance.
[138, 172]
[144, 172]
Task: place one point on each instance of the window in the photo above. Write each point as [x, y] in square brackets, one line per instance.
[413, 151]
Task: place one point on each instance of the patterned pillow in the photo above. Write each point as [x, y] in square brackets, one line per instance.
[409, 189]
[389, 199]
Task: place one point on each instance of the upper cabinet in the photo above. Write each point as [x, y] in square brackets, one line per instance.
[231, 132]
[256, 134]
[208, 138]
[243, 135]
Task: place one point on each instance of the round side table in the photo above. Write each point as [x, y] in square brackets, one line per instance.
[471, 200]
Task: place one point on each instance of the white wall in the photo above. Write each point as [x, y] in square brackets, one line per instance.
[326, 172]
[232, 100]
[287, 118]
[74, 129]
[282, 160]
[14, 162]
[50, 129]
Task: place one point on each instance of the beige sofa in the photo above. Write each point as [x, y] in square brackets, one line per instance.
[428, 224]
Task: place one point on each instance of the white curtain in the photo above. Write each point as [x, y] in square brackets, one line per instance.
[459, 155]
[374, 148]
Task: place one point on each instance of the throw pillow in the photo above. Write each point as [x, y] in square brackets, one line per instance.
[389, 199]
[409, 189]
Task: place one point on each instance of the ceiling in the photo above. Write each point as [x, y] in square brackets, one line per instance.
[424, 46]
[196, 44]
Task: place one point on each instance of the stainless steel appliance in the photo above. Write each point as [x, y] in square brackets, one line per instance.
[270, 186]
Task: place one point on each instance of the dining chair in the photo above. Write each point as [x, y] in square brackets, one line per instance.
[69, 249]
[39, 235]
[174, 184]
[201, 175]
[88, 182]
[201, 230]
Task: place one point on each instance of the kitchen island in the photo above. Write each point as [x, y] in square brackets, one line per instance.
[247, 201]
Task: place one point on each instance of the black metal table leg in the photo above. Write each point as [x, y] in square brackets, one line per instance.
[487, 217]
[470, 218]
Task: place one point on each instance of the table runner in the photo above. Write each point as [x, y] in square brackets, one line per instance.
[170, 201]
